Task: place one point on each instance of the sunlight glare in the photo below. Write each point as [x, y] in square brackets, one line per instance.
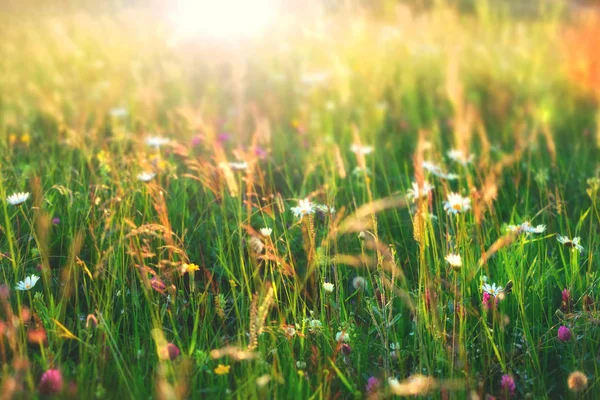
[223, 19]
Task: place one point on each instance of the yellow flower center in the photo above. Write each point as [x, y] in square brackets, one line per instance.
[457, 206]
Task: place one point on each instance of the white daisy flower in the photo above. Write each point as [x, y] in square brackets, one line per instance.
[328, 287]
[157, 141]
[146, 176]
[416, 192]
[359, 149]
[460, 157]
[526, 227]
[305, 207]
[492, 289]
[28, 283]
[266, 231]
[436, 170]
[16, 199]
[454, 260]
[570, 243]
[456, 203]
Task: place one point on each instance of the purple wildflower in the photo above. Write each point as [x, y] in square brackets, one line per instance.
[196, 140]
[223, 137]
[487, 300]
[566, 296]
[51, 382]
[260, 152]
[346, 349]
[564, 334]
[508, 384]
[173, 351]
[372, 384]
[158, 284]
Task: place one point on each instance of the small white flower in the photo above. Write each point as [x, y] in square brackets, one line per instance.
[256, 245]
[492, 289]
[263, 380]
[572, 244]
[395, 349]
[28, 283]
[359, 283]
[328, 287]
[266, 231]
[456, 203]
[362, 150]
[314, 325]
[416, 192]
[238, 166]
[394, 384]
[156, 141]
[342, 336]
[17, 198]
[436, 170]
[358, 171]
[526, 228]
[305, 207]
[454, 260]
[118, 112]
[315, 78]
[460, 157]
[146, 176]
[289, 330]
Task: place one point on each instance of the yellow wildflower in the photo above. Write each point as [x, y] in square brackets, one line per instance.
[222, 369]
[12, 139]
[104, 160]
[26, 138]
[187, 268]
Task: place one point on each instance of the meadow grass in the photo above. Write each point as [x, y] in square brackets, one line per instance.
[164, 286]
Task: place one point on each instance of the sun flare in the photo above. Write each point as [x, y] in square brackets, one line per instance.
[224, 19]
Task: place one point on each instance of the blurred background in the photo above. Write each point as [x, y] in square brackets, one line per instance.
[400, 63]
